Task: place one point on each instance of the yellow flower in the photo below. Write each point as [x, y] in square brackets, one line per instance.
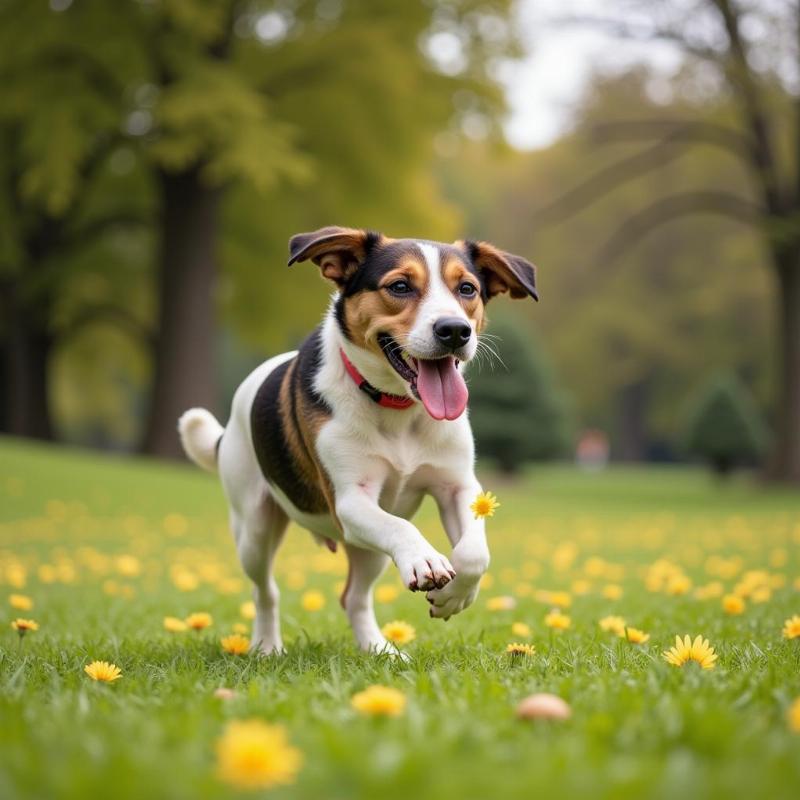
[519, 649]
[636, 636]
[678, 584]
[313, 600]
[399, 632]
[520, 629]
[555, 619]
[235, 644]
[501, 603]
[240, 627]
[174, 625]
[103, 671]
[791, 628]
[484, 505]
[614, 624]
[379, 701]
[22, 626]
[386, 594]
[613, 591]
[688, 650]
[732, 604]
[254, 755]
[199, 620]
[248, 610]
[21, 602]
[793, 715]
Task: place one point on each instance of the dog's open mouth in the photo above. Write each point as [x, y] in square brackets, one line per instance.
[435, 382]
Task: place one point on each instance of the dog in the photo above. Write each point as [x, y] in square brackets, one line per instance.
[347, 434]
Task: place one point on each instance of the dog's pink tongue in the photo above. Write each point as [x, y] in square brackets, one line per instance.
[441, 388]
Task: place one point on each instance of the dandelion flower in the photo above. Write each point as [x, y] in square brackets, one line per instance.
[254, 755]
[22, 626]
[313, 600]
[103, 671]
[240, 627]
[501, 603]
[520, 629]
[732, 604]
[791, 628]
[613, 591]
[613, 624]
[199, 620]
[21, 602]
[235, 644]
[793, 715]
[174, 625]
[636, 636]
[248, 609]
[678, 585]
[688, 650]
[519, 649]
[399, 632]
[555, 619]
[386, 594]
[484, 505]
[379, 701]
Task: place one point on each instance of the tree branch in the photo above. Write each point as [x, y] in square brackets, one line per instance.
[642, 33]
[744, 84]
[667, 209]
[675, 135]
[690, 131]
[606, 180]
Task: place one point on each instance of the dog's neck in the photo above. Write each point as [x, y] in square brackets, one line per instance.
[373, 367]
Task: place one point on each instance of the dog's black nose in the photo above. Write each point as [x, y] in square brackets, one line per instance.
[452, 332]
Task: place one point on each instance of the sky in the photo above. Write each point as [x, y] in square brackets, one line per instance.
[545, 86]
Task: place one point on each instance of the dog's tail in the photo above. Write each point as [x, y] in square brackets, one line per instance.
[200, 436]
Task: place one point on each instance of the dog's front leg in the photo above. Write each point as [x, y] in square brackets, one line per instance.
[365, 524]
[470, 554]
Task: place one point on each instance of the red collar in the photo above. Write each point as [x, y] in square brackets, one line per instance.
[395, 401]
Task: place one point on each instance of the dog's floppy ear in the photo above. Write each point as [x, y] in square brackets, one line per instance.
[503, 272]
[338, 252]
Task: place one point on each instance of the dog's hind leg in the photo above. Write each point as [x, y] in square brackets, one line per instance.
[258, 534]
[365, 567]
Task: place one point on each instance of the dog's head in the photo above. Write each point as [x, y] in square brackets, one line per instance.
[419, 304]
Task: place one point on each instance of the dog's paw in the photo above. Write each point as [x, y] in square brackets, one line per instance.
[422, 570]
[453, 598]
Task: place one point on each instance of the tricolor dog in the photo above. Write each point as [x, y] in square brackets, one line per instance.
[347, 435]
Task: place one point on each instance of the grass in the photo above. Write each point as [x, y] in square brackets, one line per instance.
[102, 546]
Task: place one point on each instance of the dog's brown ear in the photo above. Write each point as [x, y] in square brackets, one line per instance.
[338, 252]
[503, 272]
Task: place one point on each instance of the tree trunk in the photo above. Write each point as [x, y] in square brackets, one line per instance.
[631, 422]
[785, 464]
[185, 374]
[26, 367]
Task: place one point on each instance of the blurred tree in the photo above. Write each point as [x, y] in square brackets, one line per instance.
[63, 94]
[724, 428]
[629, 332]
[223, 108]
[752, 50]
[517, 412]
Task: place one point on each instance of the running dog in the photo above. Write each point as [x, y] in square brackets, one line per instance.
[347, 434]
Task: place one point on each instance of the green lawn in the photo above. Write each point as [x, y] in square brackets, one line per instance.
[107, 547]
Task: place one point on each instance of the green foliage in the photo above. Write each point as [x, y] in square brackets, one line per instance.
[517, 412]
[693, 291]
[723, 428]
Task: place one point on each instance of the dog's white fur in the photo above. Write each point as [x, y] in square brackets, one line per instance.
[381, 463]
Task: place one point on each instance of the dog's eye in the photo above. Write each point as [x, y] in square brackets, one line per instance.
[467, 289]
[400, 287]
